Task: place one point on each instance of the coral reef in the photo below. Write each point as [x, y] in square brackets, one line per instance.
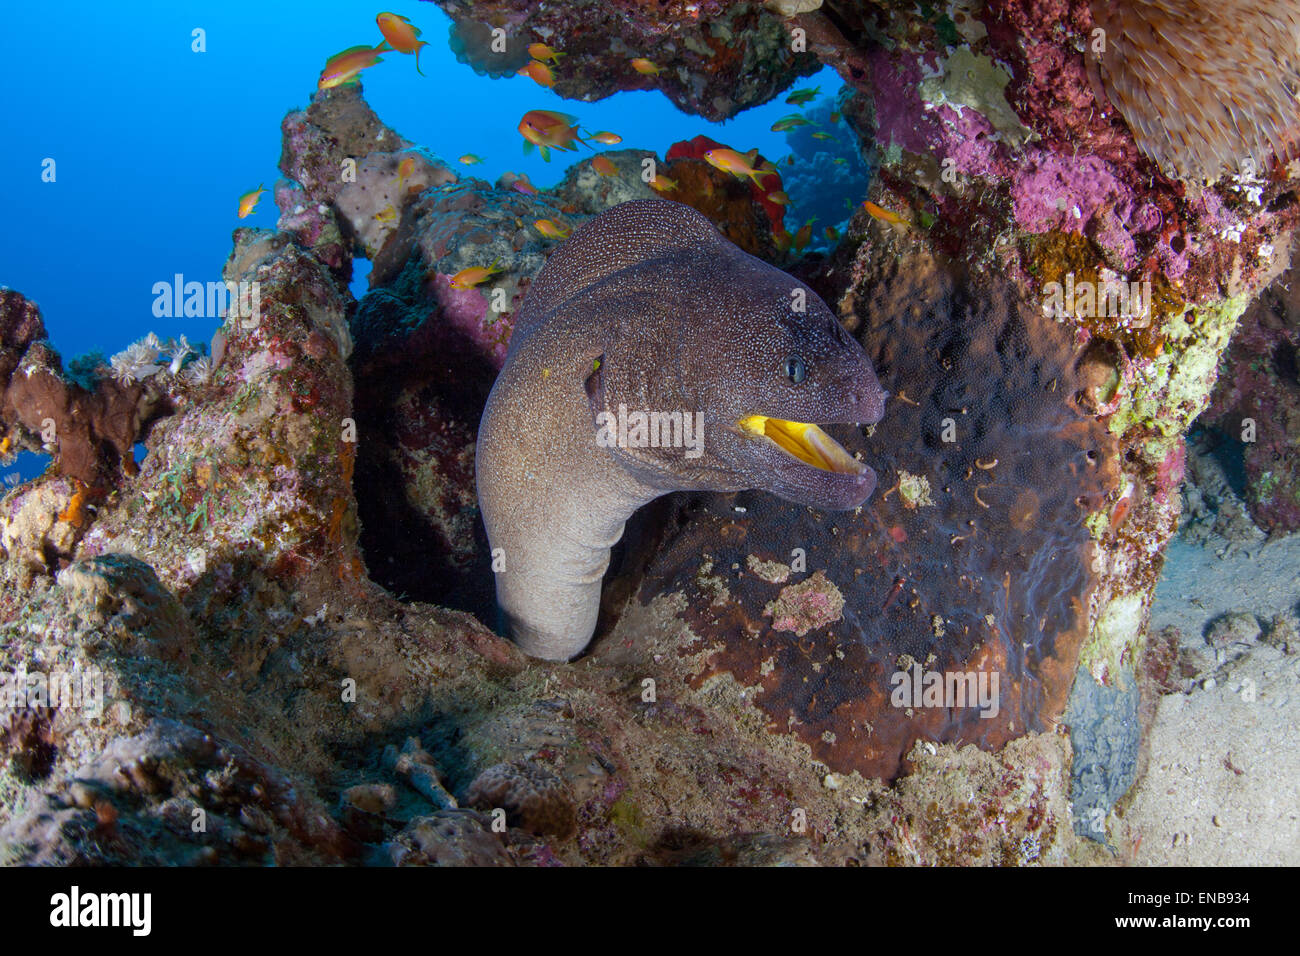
[738, 207]
[1256, 404]
[89, 431]
[1205, 87]
[716, 57]
[426, 351]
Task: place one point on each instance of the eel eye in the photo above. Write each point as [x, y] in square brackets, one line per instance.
[795, 370]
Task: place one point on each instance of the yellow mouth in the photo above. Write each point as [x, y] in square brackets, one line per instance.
[804, 441]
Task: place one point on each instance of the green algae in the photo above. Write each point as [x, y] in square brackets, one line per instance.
[1165, 396]
[1117, 636]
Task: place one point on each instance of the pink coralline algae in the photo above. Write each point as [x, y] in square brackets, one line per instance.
[1058, 192]
[467, 311]
[901, 121]
[806, 606]
[1169, 474]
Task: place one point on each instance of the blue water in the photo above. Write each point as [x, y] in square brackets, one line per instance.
[153, 142]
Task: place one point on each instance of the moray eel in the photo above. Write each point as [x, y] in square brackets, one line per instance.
[647, 309]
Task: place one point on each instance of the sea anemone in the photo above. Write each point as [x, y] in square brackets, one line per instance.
[1205, 85]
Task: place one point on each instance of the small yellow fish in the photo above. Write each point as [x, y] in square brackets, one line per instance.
[552, 229]
[405, 168]
[804, 235]
[540, 51]
[468, 278]
[788, 123]
[800, 97]
[782, 239]
[470, 159]
[840, 161]
[403, 37]
[603, 166]
[662, 183]
[345, 67]
[606, 138]
[645, 67]
[387, 214]
[779, 197]
[538, 72]
[248, 201]
[822, 136]
[738, 164]
[883, 214]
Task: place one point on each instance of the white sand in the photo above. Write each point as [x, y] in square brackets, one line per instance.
[1222, 785]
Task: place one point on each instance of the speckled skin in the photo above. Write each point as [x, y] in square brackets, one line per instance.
[680, 320]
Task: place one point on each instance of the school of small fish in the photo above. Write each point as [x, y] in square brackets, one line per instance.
[547, 130]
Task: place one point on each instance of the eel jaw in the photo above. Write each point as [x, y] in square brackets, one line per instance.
[804, 441]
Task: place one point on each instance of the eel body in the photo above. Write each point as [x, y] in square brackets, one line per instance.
[651, 356]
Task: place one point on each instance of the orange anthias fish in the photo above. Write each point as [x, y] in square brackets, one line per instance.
[662, 183]
[779, 197]
[804, 235]
[548, 130]
[552, 229]
[521, 184]
[248, 201]
[538, 72]
[883, 214]
[346, 67]
[403, 37]
[646, 67]
[540, 51]
[474, 275]
[470, 159]
[602, 165]
[606, 138]
[404, 170]
[738, 164]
